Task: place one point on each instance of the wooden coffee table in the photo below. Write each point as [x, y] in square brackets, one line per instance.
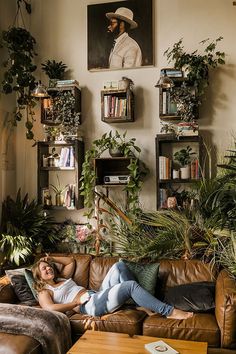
[95, 342]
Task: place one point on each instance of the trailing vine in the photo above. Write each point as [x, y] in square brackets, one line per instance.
[19, 67]
[137, 169]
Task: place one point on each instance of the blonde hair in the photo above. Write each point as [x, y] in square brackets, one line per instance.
[40, 284]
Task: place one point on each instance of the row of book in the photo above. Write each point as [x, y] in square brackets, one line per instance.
[169, 107]
[114, 106]
[67, 157]
[163, 196]
[165, 168]
[194, 169]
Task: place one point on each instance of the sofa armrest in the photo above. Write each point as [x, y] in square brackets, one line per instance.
[7, 293]
[225, 311]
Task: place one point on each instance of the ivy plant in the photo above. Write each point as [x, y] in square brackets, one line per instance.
[138, 170]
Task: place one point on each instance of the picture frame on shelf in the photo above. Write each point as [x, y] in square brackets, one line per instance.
[103, 51]
[46, 197]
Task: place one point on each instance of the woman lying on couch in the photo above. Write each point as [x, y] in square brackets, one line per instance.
[118, 286]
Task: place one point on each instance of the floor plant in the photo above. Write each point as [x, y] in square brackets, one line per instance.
[25, 229]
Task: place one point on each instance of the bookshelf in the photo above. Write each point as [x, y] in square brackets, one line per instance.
[167, 180]
[59, 164]
[51, 107]
[117, 106]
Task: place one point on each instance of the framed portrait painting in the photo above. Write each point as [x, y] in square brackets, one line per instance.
[120, 35]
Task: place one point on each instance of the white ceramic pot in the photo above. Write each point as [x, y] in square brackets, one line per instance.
[175, 174]
[185, 172]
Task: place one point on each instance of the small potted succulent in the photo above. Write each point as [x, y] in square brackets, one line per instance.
[184, 157]
[54, 70]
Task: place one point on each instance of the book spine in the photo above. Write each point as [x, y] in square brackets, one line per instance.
[164, 98]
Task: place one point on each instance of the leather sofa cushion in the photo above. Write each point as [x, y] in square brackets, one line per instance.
[127, 320]
[201, 327]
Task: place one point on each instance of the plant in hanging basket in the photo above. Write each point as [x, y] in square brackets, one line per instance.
[18, 75]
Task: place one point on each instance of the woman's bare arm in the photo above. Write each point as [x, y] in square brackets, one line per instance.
[46, 302]
[68, 263]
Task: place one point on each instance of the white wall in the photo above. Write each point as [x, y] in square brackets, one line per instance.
[7, 105]
[60, 28]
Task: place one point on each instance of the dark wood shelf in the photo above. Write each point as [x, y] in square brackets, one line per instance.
[117, 106]
[166, 145]
[57, 168]
[172, 181]
[46, 174]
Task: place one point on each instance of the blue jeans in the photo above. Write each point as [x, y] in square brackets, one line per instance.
[118, 286]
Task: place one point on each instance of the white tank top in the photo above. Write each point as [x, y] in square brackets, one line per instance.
[66, 292]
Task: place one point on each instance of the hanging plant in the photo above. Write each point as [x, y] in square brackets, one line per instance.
[137, 169]
[19, 68]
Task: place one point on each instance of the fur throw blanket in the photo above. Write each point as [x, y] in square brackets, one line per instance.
[50, 328]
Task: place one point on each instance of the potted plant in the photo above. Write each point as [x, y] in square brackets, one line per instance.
[137, 169]
[195, 65]
[18, 75]
[24, 229]
[184, 157]
[54, 70]
[59, 190]
[118, 145]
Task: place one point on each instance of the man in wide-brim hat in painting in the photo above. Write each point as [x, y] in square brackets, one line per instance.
[126, 52]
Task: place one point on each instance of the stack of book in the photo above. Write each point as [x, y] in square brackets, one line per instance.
[65, 83]
[187, 129]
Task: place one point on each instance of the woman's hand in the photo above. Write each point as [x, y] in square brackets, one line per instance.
[47, 258]
[83, 298]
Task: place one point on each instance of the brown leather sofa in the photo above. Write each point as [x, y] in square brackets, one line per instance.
[218, 328]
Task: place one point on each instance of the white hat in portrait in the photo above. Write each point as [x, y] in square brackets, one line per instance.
[125, 14]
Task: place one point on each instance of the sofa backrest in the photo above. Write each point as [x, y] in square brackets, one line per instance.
[99, 267]
[177, 272]
[91, 270]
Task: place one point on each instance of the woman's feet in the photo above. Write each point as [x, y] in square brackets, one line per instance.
[180, 315]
